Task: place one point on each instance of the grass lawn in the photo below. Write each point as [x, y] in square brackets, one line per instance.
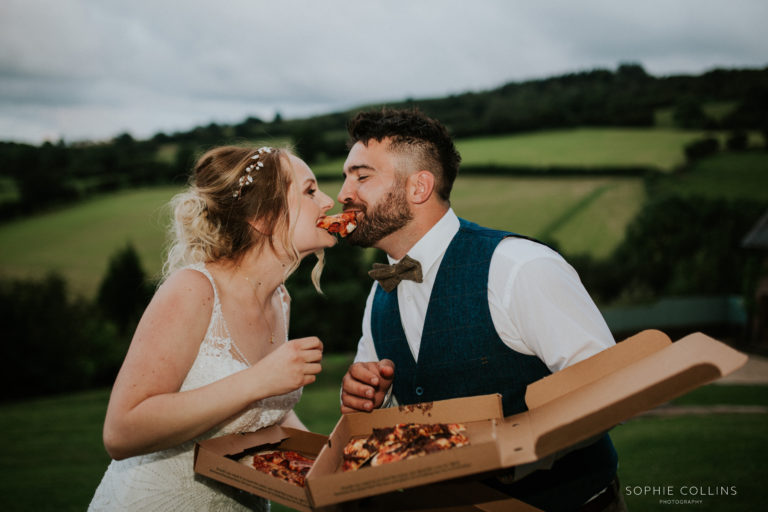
[693, 454]
[52, 457]
[696, 453]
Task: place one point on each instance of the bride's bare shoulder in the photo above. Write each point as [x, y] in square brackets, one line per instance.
[186, 288]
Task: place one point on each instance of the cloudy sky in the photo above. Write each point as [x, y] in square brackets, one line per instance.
[92, 69]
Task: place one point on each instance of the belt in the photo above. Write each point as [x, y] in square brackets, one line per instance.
[602, 500]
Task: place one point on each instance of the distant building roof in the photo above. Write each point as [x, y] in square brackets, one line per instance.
[757, 238]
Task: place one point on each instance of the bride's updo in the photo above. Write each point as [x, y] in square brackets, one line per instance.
[229, 187]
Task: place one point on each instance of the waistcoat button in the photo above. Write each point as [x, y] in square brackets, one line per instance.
[419, 390]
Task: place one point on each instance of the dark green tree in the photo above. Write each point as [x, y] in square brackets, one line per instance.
[124, 291]
[737, 140]
[44, 181]
[51, 342]
[700, 148]
[309, 142]
[689, 114]
[185, 160]
[687, 245]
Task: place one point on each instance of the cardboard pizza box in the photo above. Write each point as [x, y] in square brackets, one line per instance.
[565, 409]
[213, 458]
[480, 414]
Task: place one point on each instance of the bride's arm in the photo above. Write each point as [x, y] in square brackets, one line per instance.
[147, 412]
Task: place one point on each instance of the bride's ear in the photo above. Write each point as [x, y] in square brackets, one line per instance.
[258, 226]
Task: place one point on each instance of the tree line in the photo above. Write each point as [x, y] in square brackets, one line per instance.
[52, 173]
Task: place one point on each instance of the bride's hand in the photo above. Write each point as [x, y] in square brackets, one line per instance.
[292, 365]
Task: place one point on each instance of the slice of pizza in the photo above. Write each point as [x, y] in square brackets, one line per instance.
[341, 223]
[358, 452]
[288, 466]
[401, 442]
[297, 462]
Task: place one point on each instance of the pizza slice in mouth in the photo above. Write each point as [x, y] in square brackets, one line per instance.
[341, 224]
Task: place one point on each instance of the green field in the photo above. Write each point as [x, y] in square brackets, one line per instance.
[726, 175]
[53, 459]
[77, 241]
[584, 147]
[583, 215]
[588, 147]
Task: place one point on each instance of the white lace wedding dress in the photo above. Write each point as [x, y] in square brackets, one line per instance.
[165, 481]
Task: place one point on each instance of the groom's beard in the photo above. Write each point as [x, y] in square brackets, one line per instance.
[388, 215]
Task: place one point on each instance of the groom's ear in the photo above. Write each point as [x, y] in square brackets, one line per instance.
[421, 185]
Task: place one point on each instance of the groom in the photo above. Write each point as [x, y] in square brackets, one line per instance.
[465, 310]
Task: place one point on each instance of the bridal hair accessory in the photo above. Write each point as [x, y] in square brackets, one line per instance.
[247, 178]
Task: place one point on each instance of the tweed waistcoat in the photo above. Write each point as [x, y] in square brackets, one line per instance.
[461, 355]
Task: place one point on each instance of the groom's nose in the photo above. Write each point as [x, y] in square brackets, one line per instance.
[345, 195]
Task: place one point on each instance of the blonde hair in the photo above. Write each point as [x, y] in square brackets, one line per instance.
[210, 222]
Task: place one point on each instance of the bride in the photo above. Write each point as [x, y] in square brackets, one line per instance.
[211, 355]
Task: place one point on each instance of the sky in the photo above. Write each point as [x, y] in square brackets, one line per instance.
[77, 70]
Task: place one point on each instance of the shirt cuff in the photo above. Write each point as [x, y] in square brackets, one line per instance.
[389, 399]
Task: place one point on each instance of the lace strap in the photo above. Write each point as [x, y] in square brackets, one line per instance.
[200, 267]
[218, 314]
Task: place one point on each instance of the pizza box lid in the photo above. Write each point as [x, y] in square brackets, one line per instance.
[566, 409]
[589, 398]
[212, 459]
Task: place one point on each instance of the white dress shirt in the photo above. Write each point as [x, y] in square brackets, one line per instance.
[537, 301]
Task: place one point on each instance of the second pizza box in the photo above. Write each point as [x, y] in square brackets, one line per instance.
[217, 458]
[564, 409]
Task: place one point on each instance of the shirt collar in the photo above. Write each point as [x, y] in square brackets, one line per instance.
[434, 243]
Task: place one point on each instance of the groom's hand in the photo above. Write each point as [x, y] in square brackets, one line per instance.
[365, 385]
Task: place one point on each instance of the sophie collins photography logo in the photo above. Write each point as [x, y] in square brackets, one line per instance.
[694, 494]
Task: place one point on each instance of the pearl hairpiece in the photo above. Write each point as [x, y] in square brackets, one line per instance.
[246, 179]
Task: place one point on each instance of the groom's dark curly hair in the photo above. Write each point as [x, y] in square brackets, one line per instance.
[411, 132]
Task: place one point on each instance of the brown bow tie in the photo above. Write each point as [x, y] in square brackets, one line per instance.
[389, 276]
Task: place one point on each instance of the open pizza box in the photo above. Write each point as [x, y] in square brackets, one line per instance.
[565, 409]
[216, 458]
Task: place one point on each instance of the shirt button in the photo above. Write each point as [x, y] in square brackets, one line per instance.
[419, 390]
